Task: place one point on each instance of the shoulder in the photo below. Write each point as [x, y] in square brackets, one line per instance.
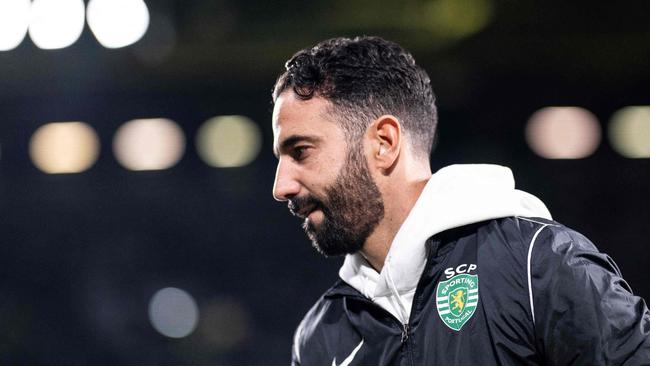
[546, 235]
[545, 248]
[316, 315]
[554, 247]
[582, 307]
[536, 237]
[505, 244]
[530, 252]
[326, 313]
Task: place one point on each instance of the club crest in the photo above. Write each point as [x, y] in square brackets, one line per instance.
[456, 300]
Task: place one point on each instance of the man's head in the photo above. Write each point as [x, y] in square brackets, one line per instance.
[364, 78]
[339, 104]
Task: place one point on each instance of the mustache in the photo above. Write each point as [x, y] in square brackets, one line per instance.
[299, 205]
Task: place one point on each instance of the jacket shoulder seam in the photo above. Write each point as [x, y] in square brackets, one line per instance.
[529, 268]
[536, 221]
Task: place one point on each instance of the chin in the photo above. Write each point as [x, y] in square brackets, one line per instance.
[330, 248]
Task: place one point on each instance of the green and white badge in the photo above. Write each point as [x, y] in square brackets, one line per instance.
[457, 299]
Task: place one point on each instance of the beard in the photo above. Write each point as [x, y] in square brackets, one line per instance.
[352, 208]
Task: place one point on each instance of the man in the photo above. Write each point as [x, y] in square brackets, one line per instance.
[454, 268]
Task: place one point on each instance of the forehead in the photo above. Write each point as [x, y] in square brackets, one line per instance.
[294, 116]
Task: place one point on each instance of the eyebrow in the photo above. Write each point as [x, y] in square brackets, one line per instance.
[292, 140]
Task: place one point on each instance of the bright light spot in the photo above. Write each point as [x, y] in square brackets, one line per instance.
[118, 23]
[629, 132]
[173, 312]
[14, 20]
[228, 141]
[563, 133]
[225, 324]
[64, 147]
[56, 24]
[458, 18]
[149, 144]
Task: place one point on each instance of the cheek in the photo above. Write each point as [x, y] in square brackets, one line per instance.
[323, 172]
[322, 168]
[324, 164]
[317, 185]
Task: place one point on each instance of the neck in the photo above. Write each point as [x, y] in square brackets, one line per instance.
[398, 202]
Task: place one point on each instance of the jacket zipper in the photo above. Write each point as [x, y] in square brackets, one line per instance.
[405, 328]
[405, 333]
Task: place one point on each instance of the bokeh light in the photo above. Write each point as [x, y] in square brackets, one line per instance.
[149, 144]
[117, 23]
[563, 133]
[64, 147]
[173, 312]
[458, 18]
[14, 21]
[56, 24]
[228, 141]
[629, 132]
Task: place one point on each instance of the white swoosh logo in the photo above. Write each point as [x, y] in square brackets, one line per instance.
[349, 359]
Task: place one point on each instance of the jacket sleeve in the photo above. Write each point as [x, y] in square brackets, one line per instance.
[584, 312]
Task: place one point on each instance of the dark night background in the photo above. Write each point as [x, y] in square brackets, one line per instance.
[82, 254]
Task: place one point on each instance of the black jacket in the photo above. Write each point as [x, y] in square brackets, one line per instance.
[546, 296]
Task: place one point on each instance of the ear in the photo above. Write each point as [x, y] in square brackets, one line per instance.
[385, 135]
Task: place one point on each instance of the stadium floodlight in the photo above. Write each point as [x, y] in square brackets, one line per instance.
[14, 20]
[56, 24]
[117, 23]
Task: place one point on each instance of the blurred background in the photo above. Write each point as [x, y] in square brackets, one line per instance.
[137, 222]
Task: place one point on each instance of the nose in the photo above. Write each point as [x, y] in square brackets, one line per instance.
[285, 185]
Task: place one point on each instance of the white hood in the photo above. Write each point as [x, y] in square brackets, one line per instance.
[455, 196]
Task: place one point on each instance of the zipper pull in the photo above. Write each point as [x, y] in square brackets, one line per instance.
[405, 333]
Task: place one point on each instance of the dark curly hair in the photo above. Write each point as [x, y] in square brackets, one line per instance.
[365, 78]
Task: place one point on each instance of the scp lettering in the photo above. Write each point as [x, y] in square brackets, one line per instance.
[462, 268]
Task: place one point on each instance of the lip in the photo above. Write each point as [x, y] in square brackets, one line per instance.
[311, 213]
[306, 212]
[315, 216]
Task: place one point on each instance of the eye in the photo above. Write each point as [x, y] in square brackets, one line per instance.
[299, 152]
